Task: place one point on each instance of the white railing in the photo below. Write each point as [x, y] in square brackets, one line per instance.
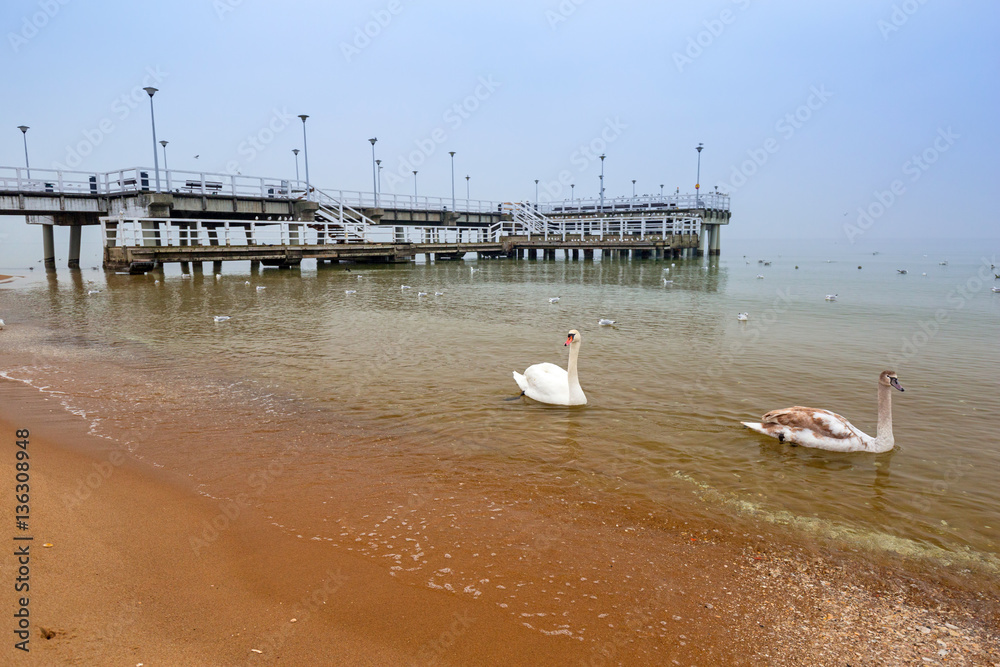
[446, 235]
[409, 202]
[642, 203]
[180, 232]
[621, 227]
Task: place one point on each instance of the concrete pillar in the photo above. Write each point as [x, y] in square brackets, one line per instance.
[74, 246]
[49, 247]
[703, 247]
[588, 255]
[716, 235]
[254, 266]
[216, 267]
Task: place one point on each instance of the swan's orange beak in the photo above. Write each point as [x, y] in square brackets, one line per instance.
[568, 340]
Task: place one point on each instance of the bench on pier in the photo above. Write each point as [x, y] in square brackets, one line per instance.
[195, 186]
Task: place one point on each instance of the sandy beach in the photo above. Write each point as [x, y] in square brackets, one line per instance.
[123, 583]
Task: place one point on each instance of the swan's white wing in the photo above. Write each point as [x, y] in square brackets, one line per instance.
[547, 383]
[812, 427]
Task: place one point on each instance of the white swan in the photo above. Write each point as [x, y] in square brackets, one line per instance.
[823, 429]
[605, 322]
[743, 317]
[554, 299]
[547, 383]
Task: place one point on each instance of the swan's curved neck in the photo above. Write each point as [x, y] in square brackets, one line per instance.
[883, 434]
[572, 377]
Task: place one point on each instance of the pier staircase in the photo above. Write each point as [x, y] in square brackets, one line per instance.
[340, 222]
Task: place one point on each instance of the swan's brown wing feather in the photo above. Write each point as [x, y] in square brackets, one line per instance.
[821, 422]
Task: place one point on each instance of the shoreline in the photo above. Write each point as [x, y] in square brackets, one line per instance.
[713, 585]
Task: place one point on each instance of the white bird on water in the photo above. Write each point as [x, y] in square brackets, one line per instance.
[350, 291]
[421, 293]
[402, 287]
[218, 276]
[831, 297]
[93, 291]
[604, 322]
[438, 293]
[995, 289]
[473, 269]
[760, 277]
[221, 318]
[743, 317]
[554, 299]
[668, 282]
[261, 288]
[245, 282]
[548, 383]
[2, 324]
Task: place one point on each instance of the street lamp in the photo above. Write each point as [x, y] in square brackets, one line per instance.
[536, 193]
[164, 142]
[572, 196]
[452, 154]
[697, 185]
[661, 190]
[374, 172]
[156, 160]
[602, 156]
[378, 163]
[305, 154]
[296, 152]
[414, 187]
[24, 135]
[467, 197]
[633, 187]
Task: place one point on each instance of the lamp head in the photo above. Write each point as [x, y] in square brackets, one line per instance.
[150, 90]
[295, 150]
[699, 147]
[373, 140]
[303, 117]
[164, 142]
[23, 128]
[378, 162]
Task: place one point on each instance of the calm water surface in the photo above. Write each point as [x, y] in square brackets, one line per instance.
[668, 385]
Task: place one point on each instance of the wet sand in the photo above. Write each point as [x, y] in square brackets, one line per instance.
[123, 583]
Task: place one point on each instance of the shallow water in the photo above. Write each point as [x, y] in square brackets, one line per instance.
[421, 379]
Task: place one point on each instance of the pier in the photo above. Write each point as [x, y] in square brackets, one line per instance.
[200, 217]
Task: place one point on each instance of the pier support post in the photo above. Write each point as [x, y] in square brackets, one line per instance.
[588, 255]
[716, 233]
[703, 240]
[49, 247]
[74, 246]
[254, 266]
[216, 267]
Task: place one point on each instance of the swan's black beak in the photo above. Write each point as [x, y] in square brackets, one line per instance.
[895, 383]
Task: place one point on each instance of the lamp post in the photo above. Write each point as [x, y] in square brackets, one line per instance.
[633, 187]
[572, 196]
[305, 154]
[467, 197]
[414, 187]
[697, 185]
[24, 135]
[166, 169]
[296, 152]
[374, 172]
[452, 154]
[536, 194]
[378, 183]
[661, 190]
[156, 160]
[602, 181]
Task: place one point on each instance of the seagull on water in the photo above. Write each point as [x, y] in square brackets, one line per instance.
[402, 287]
[2, 324]
[760, 277]
[604, 322]
[218, 276]
[473, 269]
[350, 291]
[421, 293]
[156, 282]
[901, 271]
[93, 291]
[831, 297]
[743, 317]
[995, 290]
[668, 282]
[246, 282]
[261, 288]
[554, 299]
[438, 293]
[221, 318]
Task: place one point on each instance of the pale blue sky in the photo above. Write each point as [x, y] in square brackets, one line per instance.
[883, 89]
